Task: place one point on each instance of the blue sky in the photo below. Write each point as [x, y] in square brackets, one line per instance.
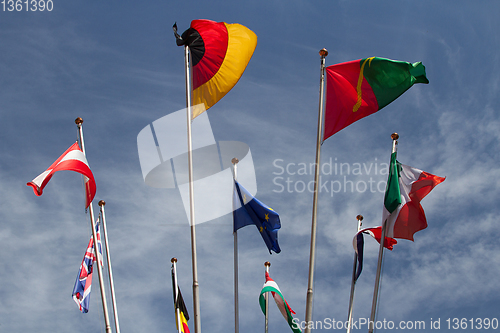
[116, 65]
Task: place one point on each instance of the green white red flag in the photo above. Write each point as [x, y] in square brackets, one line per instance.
[286, 311]
[358, 88]
[406, 187]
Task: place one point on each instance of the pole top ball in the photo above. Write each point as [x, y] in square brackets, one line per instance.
[101, 202]
[323, 52]
[394, 136]
[359, 217]
[267, 264]
[173, 260]
[78, 121]
[235, 160]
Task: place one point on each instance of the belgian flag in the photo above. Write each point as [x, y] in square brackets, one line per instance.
[179, 304]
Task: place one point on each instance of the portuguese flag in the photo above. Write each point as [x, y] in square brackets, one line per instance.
[357, 89]
[220, 52]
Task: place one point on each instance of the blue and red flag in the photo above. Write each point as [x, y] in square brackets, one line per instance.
[83, 284]
[358, 244]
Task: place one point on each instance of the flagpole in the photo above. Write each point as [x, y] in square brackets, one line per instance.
[79, 122]
[176, 294]
[353, 281]
[235, 256]
[196, 303]
[267, 264]
[101, 204]
[394, 137]
[309, 301]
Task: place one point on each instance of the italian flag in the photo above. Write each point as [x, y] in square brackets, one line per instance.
[406, 187]
[358, 88]
[286, 311]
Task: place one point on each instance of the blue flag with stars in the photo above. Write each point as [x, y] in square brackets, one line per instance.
[248, 210]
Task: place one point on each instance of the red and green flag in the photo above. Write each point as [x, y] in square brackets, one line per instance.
[357, 89]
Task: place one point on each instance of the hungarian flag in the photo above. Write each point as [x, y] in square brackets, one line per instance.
[73, 159]
[220, 52]
[358, 244]
[406, 187]
[357, 89]
[286, 311]
[248, 210]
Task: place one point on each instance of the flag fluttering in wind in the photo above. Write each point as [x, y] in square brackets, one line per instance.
[406, 187]
[184, 316]
[359, 88]
[286, 311]
[83, 283]
[179, 305]
[358, 244]
[220, 52]
[248, 210]
[73, 159]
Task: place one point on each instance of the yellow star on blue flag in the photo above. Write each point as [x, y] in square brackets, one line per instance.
[248, 210]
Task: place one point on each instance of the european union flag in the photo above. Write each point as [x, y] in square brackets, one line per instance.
[249, 210]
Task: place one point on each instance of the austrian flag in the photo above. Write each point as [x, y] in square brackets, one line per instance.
[73, 159]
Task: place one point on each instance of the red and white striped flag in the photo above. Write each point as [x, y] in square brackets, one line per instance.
[73, 159]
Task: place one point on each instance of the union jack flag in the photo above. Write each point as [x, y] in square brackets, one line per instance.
[83, 284]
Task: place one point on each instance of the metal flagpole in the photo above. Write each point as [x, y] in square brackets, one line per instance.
[78, 122]
[176, 294]
[267, 264]
[309, 301]
[235, 255]
[394, 137]
[196, 302]
[101, 204]
[353, 281]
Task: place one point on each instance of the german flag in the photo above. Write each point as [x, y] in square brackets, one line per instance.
[220, 52]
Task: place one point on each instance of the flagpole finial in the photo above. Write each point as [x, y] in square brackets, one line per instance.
[101, 203]
[235, 160]
[78, 121]
[267, 264]
[359, 217]
[394, 136]
[173, 260]
[323, 52]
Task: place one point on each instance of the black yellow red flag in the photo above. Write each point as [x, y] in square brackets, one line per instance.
[220, 52]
